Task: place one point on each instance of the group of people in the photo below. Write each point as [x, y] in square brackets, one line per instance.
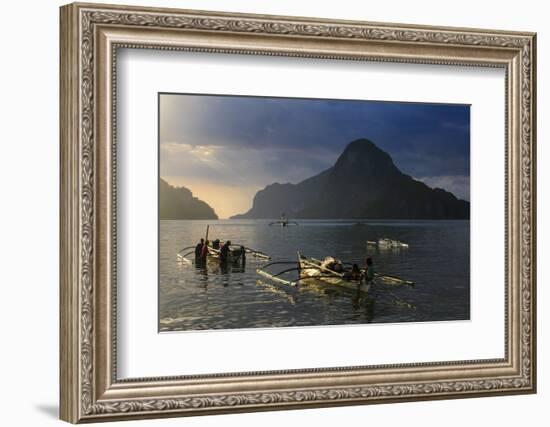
[224, 251]
[355, 273]
[367, 274]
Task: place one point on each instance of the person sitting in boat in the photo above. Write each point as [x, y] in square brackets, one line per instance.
[328, 262]
[353, 274]
[338, 267]
[216, 244]
[332, 264]
[224, 252]
[369, 271]
[198, 249]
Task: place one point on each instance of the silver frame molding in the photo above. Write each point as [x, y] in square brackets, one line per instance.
[90, 37]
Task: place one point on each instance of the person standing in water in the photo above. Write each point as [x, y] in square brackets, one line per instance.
[369, 270]
[204, 251]
[198, 249]
[355, 272]
[224, 252]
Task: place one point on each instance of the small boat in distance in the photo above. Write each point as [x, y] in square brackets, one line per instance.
[385, 243]
[283, 222]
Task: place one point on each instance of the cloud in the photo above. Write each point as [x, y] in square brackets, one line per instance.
[439, 131]
[239, 140]
[239, 166]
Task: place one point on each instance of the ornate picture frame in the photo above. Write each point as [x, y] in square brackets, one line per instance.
[90, 37]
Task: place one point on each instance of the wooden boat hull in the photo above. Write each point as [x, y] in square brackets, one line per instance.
[234, 257]
[311, 269]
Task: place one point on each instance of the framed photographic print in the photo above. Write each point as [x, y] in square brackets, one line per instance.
[263, 212]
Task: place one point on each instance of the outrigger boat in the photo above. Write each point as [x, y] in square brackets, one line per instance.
[236, 254]
[314, 270]
[283, 222]
[385, 242]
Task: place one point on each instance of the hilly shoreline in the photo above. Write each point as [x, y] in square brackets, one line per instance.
[364, 183]
[179, 203]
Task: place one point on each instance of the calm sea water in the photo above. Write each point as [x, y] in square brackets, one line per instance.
[438, 261]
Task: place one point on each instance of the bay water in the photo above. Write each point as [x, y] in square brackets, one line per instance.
[200, 298]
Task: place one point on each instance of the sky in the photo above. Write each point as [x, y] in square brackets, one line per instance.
[226, 148]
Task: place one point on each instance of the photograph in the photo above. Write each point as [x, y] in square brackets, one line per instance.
[288, 208]
[299, 212]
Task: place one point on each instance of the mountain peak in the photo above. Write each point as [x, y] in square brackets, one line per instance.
[362, 156]
[364, 183]
[360, 144]
[365, 147]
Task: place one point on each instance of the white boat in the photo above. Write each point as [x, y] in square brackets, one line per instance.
[385, 242]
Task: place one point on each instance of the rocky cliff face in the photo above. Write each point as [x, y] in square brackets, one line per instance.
[364, 183]
[179, 203]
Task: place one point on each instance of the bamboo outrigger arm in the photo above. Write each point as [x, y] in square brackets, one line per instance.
[274, 278]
